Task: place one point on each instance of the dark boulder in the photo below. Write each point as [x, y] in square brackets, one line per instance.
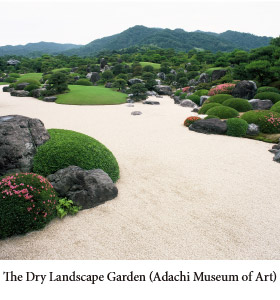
[258, 104]
[277, 157]
[177, 100]
[21, 86]
[209, 126]
[38, 92]
[195, 110]
[108, 85]
[245, 89]
[203, 78]
[86, 188]
[151, 102]
[94, 77]
[19, 93]
[218, 74]
[19, 138]
[188, 103]
[163, 89]
[203, 99]
[134, 81]
[103, 63]
[50, 99]
[7, 89]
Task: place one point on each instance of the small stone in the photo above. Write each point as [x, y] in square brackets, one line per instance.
[136, 113]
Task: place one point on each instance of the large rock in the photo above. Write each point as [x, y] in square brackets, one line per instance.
[19, 93]
[134, 81]
[7, 89]
[86, 188]
[218, 74]
[50, 99]
[261, 104]
[21, 86]
[203, 99]
[203, 78]
[151, 93]
[245, 89]
[209, 126]
[161, 75]
[253, 129]
[19, 138]
[163, 89]
[108, 85]
[38, 92]
[188, 103]
[277, 157]
[177, 100]
[94, 77]
[103, 63]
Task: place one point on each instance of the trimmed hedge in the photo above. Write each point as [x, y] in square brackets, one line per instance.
[223, 112]
[83, 81]
[274, 97]
[205, 107]
[236, 127]
[202, 92]
[27, 203]
[220, 98]
[239, 104]
[191, 120]
[70, 148]
[31, 87]
[211, 117]
[31, 81]
[268, 89]
[276, 107]
[194, 98]
[268, 121]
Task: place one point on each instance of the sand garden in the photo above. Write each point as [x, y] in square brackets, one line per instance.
[182, 195]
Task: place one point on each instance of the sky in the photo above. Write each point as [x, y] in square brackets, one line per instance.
[80, 22]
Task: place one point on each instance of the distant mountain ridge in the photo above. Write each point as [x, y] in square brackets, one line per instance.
[36, 49]
[139, 35]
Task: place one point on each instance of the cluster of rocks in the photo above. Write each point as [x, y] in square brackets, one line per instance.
[276, 151]
[20, 137]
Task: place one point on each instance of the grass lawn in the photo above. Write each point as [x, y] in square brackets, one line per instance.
[4, 83]
[35, 76]
[91, 95]
[61, 69]
[146, 63]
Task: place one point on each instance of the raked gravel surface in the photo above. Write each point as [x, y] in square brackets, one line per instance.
[182, 194]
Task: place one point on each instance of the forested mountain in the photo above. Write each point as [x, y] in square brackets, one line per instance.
[36, 49]
[177, 39]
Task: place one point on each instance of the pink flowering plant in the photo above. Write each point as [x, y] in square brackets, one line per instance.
[225, 88]
[270, 123]
[27, 202]
[186, 89]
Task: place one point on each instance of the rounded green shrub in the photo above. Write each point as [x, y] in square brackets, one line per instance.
[274, 97]
[219, 98]
[195, 99]
[27, 203]
[236, 127]
[69, 148]
[276, 107]
[211, 117]
[268, 121]
[239, 104]
[31, 81]
[205, 107]
[10, 79]
[31, 87]
[14, 75]
[183, 96]
[83, 81]
[202, 92]
[223, 112]
[178, 93]
[268, 89]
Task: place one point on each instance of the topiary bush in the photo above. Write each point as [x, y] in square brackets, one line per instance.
[236, 127]
[274, 97]
[268, 121]
[178, 93]
[83, 81]
[205, 107]
[183, 96]
[239, 104]
[69, 148]
[191, 120]
[31, 87]
[268, 89]
[27, 202]
[223, 112]
[219, 98]
[211, 117]
[195, 99]
[202, 92]
[276, 107]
